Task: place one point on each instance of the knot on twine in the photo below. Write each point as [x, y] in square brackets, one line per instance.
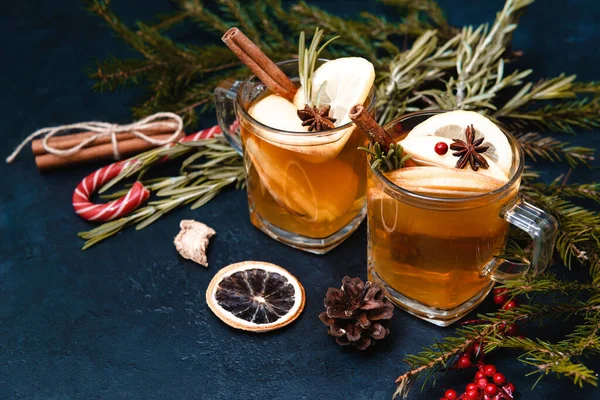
[103, 129]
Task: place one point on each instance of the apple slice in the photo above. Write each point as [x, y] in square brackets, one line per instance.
[422, 151]
[312, 192]
[453, 124]
[444, 182]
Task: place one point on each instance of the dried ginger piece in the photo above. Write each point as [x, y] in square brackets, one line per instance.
[192, 240]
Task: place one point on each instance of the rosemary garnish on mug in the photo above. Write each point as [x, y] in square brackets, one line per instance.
[386, 154]
[312, 115]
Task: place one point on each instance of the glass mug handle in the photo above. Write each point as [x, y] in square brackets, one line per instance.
[224, 95]
[542, 228]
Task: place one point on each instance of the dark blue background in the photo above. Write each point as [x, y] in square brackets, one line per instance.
[127, 319]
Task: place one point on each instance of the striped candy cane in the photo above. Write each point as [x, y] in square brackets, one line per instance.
[134, 198]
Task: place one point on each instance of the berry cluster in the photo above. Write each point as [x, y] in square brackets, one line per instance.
[501, 298]
[488, 384]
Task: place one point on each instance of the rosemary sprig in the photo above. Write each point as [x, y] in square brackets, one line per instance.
[307, 59]
[385, 162]
[212, 166]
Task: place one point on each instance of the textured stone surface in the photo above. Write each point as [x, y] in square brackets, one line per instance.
[127, 319]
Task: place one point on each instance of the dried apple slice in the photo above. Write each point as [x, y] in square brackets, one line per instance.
[422, 151]
[444, 182]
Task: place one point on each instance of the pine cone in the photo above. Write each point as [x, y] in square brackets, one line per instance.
[351, 311]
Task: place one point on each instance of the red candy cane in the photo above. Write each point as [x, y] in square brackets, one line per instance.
[134, 198]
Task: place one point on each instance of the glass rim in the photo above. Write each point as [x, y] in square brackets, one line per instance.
[284, 133]
[453, 200]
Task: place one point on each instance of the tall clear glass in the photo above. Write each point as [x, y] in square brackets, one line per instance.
[305, 189]
[436, 257]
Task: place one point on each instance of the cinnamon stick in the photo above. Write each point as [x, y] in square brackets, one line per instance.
[361, 117]
[262, 66]
[68, 141]
[47, 162]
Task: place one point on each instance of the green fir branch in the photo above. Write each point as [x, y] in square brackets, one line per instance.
[537, 146]
[444, 354]
[564, 117]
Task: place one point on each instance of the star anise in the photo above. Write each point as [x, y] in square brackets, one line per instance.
[316, 120]
[469, 151]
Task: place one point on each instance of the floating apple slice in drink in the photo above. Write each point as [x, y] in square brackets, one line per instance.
[453, 125]
[349, 81]
[444, 182]
[328, 194]
[422, 151]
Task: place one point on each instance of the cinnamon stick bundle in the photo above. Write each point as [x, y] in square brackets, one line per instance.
[71, 140]
[47, 162]
[261, 65]
[361, 117]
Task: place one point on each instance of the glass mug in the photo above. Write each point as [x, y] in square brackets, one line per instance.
[436, 257]
[305, 189]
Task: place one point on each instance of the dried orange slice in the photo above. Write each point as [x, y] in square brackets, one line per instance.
[255, 296]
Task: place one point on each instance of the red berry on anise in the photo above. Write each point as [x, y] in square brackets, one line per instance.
[472, 395]
[499, 379]
[471, 386]
[464, 362]
[491, 390]
[441, 148]
[450, 394]
[500, 299]
[510, 305]
[489, 370]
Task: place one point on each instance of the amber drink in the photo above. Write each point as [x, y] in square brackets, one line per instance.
[434, 230]
[307, 194]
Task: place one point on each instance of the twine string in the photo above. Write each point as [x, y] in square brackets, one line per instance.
[102, 129]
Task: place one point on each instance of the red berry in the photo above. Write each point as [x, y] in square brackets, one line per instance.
[509, 387]
[450, 394]
[482, 383]
[464, 362]
[499, 379]
[472, 395]
[489, 370]
[510, 305]
[478, 349]
[491, 390]
[500, 299]
[441, 148]
[500, 291]
[512, 330]
[479, 375]
[471, 386]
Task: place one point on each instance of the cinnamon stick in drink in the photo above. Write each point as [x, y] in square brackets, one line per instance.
[96, 153]
[261, 65]
[361, 117]
[67, 141]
